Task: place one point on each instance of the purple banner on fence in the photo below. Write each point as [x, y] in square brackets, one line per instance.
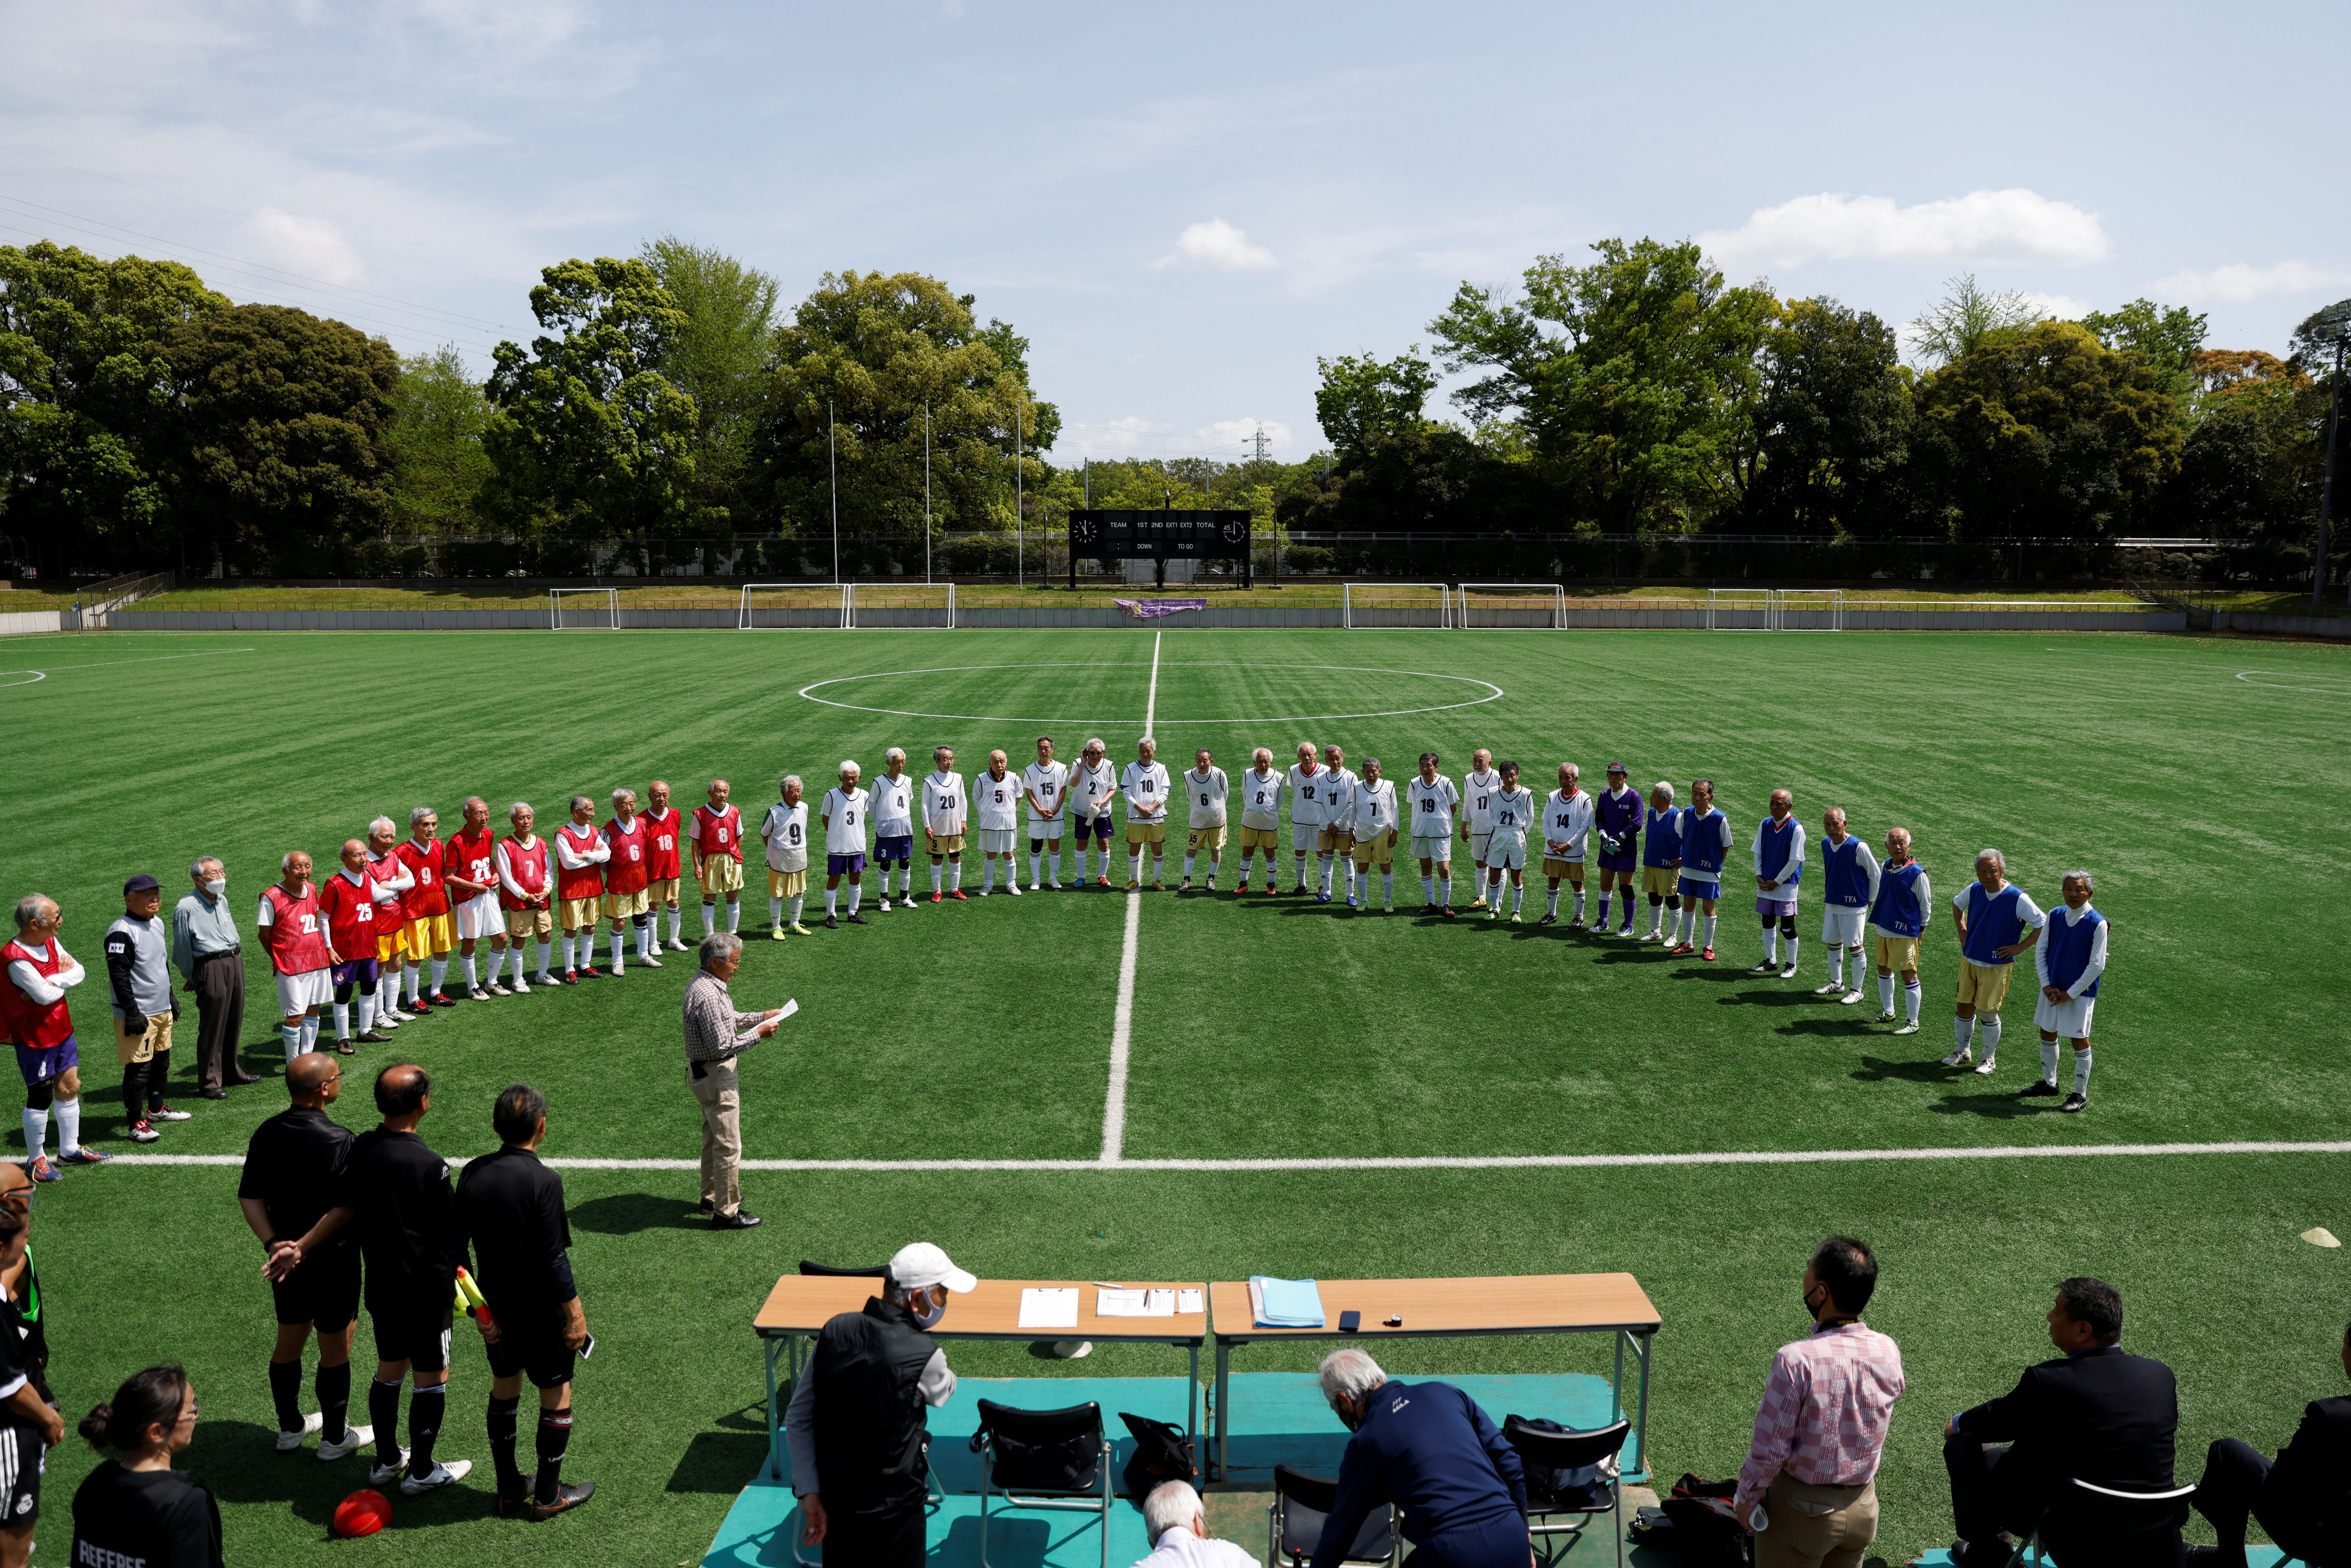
[1144, 608]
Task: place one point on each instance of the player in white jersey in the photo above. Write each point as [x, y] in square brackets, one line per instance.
[1372, 821]
[1335, 842]
[1261, 790]
[843, 816]
[785, 832]
[947, 812]
[1514, 813]
[1144, 784]
[1205, 790]
[1567, 837]
[1432, 803]
[1479, 788]
[996, 803]
[893, 826]
[1307, 794]
[1045, 785]
[1093, 785]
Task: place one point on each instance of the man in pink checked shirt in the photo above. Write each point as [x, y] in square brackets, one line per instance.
[1807, 1489]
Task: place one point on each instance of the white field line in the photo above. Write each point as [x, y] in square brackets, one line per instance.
[1122, 1027]
[1111, 1162]
[39, 676]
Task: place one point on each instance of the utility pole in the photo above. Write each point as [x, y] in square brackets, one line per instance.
[1019, 508]
[832, 474]
[1260, 443]
[926, 494]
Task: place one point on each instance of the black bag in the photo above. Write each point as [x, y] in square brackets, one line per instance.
[1703, 1532]
[1550, 1486]
[1162, 1453]
[1069, 1465]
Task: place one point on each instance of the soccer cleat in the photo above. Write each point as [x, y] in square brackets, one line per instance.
[1446, 910]
[676, 945]
[1787, 973]
[2077, 1100]
[1765, 967]
[1184, 886]
[165, 1114]
[1829, 988]
[143, 1132]
[2039, 1088]
[521, 987]
[1351, 902]
[1212, 884]
[290, 1442]
[956, 894]
[440, 1476]
[443, 1000]
[1158, 885]
[1515, 917]
[1476, 904]
[1885, 1017]
[1271, 891]
[1905, 1028]
[39, 1169]
[1429, 909]
[774, 933]
[1576, 924]
[983, 893]
[354, 1439]
[500, 988]
[477, 994]
[1131, 884]
[1548, 920]
[1101, 882]
[1036, 887]
[568, 1496]
[648, 962]
[384, 1472]
[424, 1005]
[855, 918]
[1321, 898]
[832, 923]
[1050, 887]
[1013, 888]
[345, 1048]
[372, 1038]
[1960, 1057]
[1679, 948]
[1706, 954]
[1624, 931]
[1984, 1068]
[544, 978]
[1850, 998]
[797, 929]
[1653, 937]
[936, 895]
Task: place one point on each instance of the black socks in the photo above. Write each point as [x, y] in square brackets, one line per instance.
[424, 1411]
[502, 1444]
[333, 1385]
[554, 1439]
[384, 1415]
[286, 1393]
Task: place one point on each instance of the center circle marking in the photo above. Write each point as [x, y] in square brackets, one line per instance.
[1490, 693]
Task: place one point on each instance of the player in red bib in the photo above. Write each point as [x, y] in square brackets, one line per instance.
[580, 857]
[717, 833]
[470, 861]
[390, 918]
[33, 1010]
[666, 824]
[292, 929]
[525, 891]
[352, 901]
[431, 931]
[628, 876]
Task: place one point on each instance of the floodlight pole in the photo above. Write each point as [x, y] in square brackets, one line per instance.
[926, 494]
[2326, 484]
[1020, 504]
[832, 474]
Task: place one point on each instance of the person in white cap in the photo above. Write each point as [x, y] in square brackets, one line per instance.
[1177, 1525]
[856, 1426]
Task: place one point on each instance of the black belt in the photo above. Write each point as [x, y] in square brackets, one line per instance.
[224, 952]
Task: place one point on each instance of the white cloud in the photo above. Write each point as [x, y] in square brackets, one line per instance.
[1225, 440]
[1216, 246]
[311, 247]
[2239, 281]
[1983, 225]
[2062, 307]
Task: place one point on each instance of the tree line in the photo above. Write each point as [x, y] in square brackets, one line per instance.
[147, 421]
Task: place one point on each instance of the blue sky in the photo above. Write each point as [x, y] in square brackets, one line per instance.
[1183, 207]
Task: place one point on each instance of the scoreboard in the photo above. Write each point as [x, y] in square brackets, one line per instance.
[1114, 536]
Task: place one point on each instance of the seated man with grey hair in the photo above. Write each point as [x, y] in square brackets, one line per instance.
[1429, 1450]
[716, 1034]
[1177, 1525]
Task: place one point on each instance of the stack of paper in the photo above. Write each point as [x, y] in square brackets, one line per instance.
[1285, 1303]
[1049, 1307]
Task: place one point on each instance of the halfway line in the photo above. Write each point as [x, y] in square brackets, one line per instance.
[1122, 1027]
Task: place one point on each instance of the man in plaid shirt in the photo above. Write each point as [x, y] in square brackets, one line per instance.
[1807, 1487]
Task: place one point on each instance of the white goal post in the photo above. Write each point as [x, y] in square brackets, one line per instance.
[1516, 605]
[789, 606]
[577, 617]
[1775, 609]
[1395, 604]
[1811, 610]
[901, 604]
[1738, 609]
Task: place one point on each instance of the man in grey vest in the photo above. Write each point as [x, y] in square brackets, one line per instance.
[856, 1427]
[210, 957]
[139, 972]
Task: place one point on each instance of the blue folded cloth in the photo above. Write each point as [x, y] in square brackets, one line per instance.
[1286, 1303]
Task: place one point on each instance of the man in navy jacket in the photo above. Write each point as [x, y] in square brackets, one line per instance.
[1427, 1448]
[2303, 1500]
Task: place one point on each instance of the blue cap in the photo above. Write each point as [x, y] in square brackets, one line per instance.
[143, 882]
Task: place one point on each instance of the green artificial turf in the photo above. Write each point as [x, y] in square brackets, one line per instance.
[1274, 1029]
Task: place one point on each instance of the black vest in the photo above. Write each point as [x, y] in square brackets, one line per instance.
[866, 1376]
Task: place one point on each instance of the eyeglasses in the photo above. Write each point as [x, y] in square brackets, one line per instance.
[192, 1412]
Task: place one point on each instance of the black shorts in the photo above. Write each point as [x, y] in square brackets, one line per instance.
[533, 1348]
[413, 1328]
[324, 1291]
[23, 1457]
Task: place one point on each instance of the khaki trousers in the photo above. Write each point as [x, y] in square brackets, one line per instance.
[1816, 1527]
[716, 1087]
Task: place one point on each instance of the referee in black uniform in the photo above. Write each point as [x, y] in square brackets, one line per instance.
[400, 1207]
[294, 1172]
[29, 1423]
[510, 1215]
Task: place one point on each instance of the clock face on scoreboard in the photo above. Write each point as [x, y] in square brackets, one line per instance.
[1085, 531]
[1234, 530]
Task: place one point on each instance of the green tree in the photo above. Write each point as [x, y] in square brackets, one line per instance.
[438, 463]
[1635, 406]
[83, 389]
[2169, 340]
[1832, 425]
[280, 420]
[718, 358]
[1966, 318]
[1361, 399]
[588, 437]
[871, 352]
[2046, 433]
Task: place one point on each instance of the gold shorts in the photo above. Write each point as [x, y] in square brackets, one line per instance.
[522, 924]
[1204, 841]
[1266, 839]
[720, 873]
[154, 1034]
[1897, 953]
[1984, 986]
[578, 913]
[946, 843]
[621, 906]
[1572, 870]
[665, 889]
[1658, 879]
[1380, 851]
[430, 934]
[391, 945]
[1333, 840]
[787, 883]
[1152, 832]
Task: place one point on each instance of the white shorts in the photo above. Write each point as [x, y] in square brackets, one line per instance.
[996, 840]
[1439, 849]
[1302, 836]
[1842, 927]
[1477, 844]
[1045, 828]
[301, 993]
[2067, 1021]
[480, 917]
[1505, 853]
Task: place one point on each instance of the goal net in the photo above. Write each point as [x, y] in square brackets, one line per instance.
[787, 606]
[583, 609]
[1491, 605]
[1366, 604]
[1811, 610]
[1740, 609]
[897, 604]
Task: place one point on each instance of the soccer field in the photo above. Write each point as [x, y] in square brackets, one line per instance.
[970, 1050]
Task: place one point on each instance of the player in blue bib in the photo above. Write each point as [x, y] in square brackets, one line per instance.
[2071, 959]
[1661, 846]
[1898, 916]
[1706, 844]
[1996, 921]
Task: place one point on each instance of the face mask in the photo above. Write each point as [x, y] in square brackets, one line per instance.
[1810, 1310]
[926, 1314]
[1347, 1418]
[218, 886]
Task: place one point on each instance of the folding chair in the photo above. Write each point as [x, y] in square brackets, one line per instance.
[2154, 1517]
[1569, 1451]
[1293, 1526]
[1007, 1443]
